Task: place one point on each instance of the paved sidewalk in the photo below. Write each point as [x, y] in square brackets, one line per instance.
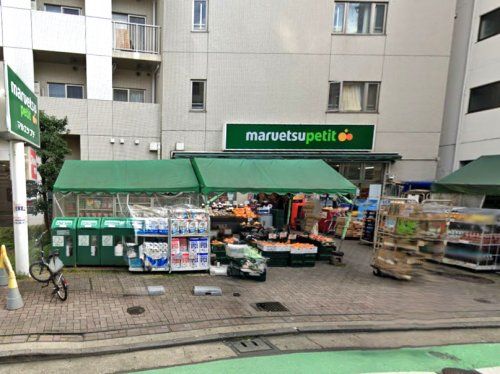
[324, 295]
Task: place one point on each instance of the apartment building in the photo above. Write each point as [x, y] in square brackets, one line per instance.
[472, 111]
[141, 79]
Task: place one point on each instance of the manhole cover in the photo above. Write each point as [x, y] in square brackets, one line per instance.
[465, 277]
[484, 301]
[250, 345]
[271, 306]
[135, 310]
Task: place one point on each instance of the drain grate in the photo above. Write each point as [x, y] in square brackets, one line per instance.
[465, 277]
[271, 306]
[135, 310]
[458, 371]
[250, 345]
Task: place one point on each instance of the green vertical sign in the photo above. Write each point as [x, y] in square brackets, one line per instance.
[304, 137]
[21, 109]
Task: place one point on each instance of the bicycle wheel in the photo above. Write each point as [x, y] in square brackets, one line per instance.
[61, 287]
[40, 272]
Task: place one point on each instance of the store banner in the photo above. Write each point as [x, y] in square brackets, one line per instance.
[19, 108]
[304, 137]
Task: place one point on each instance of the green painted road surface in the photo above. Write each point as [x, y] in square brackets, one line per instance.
[429, 359]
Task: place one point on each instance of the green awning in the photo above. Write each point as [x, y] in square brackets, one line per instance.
[127, 176]
[480, 177]
[280, 176]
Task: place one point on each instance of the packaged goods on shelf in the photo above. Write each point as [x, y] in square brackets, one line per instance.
[354, 230]
[474, 239]
[273, 246]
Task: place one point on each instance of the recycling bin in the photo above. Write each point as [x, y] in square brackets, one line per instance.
[88, 251]
[115, 233]
[63, 231]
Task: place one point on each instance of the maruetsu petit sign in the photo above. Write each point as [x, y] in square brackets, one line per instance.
[19, 108]
[298, 137]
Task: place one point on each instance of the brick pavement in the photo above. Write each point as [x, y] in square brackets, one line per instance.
[98, 300]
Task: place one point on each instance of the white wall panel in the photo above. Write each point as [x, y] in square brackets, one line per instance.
[98, 8]
[16, 27]
[99, 36]
[24, 4]
[21, 61]
[58, 32]
[99, 78]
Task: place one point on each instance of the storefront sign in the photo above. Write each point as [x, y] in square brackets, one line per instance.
[298, 137]
[20, 109]
[32, 161]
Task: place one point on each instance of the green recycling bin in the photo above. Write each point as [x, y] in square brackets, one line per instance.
[115, 233]
[88, 251]
[63, 232]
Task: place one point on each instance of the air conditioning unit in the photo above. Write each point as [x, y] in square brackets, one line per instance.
[37, 88]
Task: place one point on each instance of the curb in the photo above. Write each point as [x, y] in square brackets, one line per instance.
[33, 353]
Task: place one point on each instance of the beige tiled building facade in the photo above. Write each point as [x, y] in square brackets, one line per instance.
[142, 79]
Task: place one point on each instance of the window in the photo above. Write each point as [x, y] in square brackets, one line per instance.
[484, 97]
[199, 15]
[198, 95]
[62, 9]
[128, 94]
[489, 24]
[359, 18]
[353, 96]
[70, 91]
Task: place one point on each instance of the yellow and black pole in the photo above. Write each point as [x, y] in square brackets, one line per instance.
[14, 299]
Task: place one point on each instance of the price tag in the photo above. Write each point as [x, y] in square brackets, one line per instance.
[283, 235]
[273, 236]
[292, 236]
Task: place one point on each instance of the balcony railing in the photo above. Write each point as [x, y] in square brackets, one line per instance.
[136, 37]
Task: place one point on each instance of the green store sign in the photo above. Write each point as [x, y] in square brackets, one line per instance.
[298, 137]
[21, 110]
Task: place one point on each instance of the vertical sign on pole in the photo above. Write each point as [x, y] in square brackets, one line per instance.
[18, 124]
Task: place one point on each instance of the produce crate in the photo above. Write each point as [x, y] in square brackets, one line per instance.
[276, 259]
[220, 254]
[302, 260]
[324, 252]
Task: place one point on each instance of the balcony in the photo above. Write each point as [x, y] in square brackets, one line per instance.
[135, 37]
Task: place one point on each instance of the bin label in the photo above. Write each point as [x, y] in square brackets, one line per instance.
[83, 240]
[57, 241]
[107, 240]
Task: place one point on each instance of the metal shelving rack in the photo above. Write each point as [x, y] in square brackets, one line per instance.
[474, 239]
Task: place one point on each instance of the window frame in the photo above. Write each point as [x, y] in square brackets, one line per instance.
[479, 39]
[373, 5]
[128, 94]
[66, 90]
[61, 7]
[470, 95]
[365, 97]
[193, 29]
[204, 107]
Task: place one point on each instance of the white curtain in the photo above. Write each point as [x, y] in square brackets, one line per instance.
[352, 97]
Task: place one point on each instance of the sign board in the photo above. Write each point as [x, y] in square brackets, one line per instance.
[32, 161]
[303, 137]
[19, 107]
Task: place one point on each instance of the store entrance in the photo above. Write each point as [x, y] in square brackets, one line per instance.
[361, 174]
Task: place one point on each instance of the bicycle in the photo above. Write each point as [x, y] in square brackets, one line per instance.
[48, 270]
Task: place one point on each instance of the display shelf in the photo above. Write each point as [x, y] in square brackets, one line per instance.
[190, 236]
[152, 235]
[469, 265]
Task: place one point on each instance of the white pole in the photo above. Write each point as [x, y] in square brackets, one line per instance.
[18, 178]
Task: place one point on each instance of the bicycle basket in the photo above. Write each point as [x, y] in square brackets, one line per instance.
[55, 264]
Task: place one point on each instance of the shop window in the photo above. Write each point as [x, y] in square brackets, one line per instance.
[198, 95]
[359, 18]
[489, 24]
[484, 97]
[200, 15]
[64, 90]
[354, 96]
[352, 171]
[62, 9]
[128, 94]
[373, 172]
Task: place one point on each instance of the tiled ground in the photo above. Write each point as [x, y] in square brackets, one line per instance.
[98, 300]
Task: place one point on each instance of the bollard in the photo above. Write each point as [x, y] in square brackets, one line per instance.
[4, 279]
[14, 299]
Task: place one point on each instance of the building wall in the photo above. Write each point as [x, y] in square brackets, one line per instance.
[125, 78]
[40, 4]
[47, 72]
[467, 136]
[270, 62]
[135, 7]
